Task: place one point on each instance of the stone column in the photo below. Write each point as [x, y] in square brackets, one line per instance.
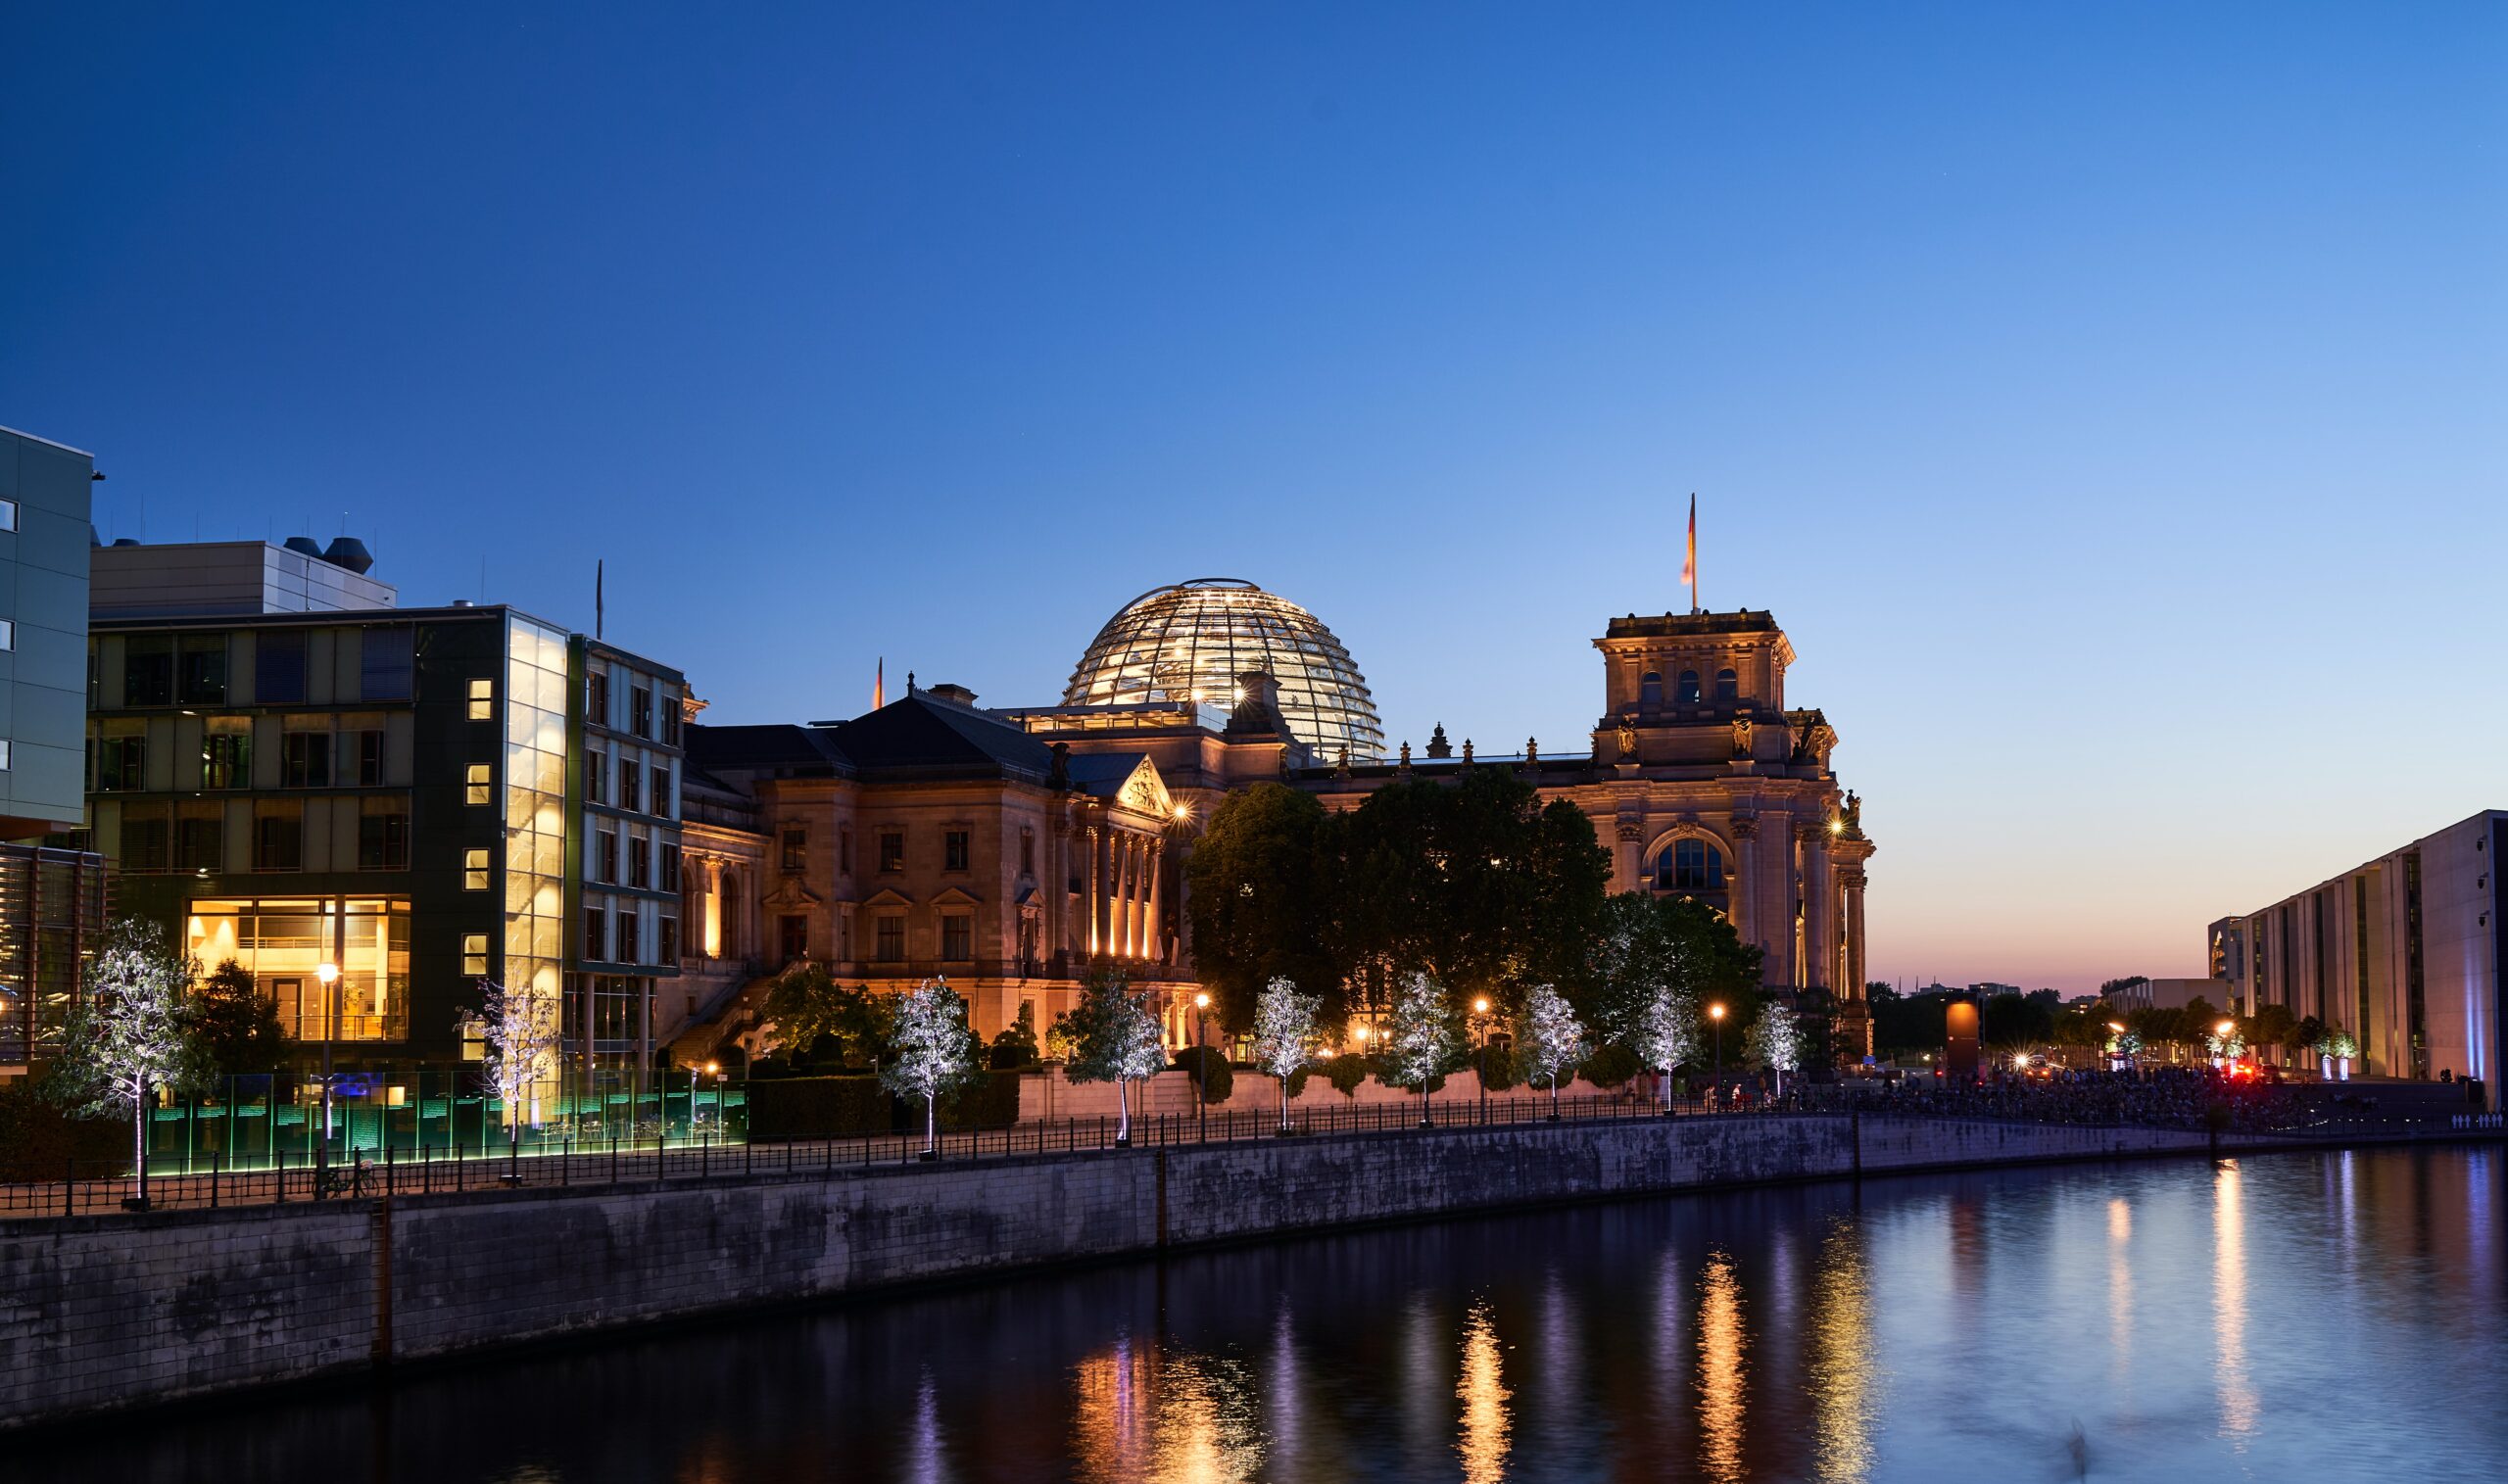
[1627, 865]
[1742, 890]
[1150, 936]
[1096, 882]
[1820, 911]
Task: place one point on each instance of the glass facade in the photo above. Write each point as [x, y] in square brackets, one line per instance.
[535, 809]
[283, 943]
[1190, 641]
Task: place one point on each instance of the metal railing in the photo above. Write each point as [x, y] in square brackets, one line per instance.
[98, 1187]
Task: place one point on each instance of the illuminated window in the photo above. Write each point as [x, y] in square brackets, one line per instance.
[474, 869]
[483, 699]
[226, 754]
[475, 789]
[474, 954]
[283, 943]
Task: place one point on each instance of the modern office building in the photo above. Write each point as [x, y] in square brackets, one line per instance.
[51, 900]
[420, 798]
[2402, 952]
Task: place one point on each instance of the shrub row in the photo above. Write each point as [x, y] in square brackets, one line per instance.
[823, 1107]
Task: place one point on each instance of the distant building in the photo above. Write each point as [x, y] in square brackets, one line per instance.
[2403, 952]
[2225, 949]
[2172, 995]
[421, 797]
[205, 579]
[52, 901]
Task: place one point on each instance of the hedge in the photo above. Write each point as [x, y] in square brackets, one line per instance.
[1210, 1072]
[823, 1107]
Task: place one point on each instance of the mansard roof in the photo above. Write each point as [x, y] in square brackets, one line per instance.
[924, 736]
[779, 748]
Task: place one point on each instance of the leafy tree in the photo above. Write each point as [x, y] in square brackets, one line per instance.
[1283, 1034]
[1016, 1045]
[1422, 1041]
[930, 1051]
[1263, 898]
[1548, 1038]
[807, 1008]
[2109, 989]
[1773, 1043]
[2307, 1035]
[1665, 1035]
[1213, 1078]
[131, 1033]
[237, 1024]
[1646, 944]
[1114, 1038]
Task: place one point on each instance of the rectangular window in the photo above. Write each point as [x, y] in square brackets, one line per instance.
[474, 869]
[383, 663]
[955, 849]
[1028, 851]
[596, 930]
[626, 950]
[200, 677]
[143, 839]
[670, 867]
[226, 754]
[278, 843]
[383, 843]
[640, 862]
[148, 670]
[279, 669]
[661, 789]
[957, 938]
[7, 515]
[596, 776]
[369, 759]
[640, 710]
[606, 857]
[305, 760]
[121, 763]
[670, 719]
[796, 850]
[475, 788]
[845, 849]
[892, 850]
[631, 784]
[8, 635]
[666, 944]
[200, 843]
[792, 936]
[474, 955]
[891, 943]
[483, 699]
[597, 697]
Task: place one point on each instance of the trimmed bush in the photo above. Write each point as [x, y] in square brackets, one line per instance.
[991, 1100]
[1346, 1072]
[1497, 1068]
[1297, 1079]
[1611, 1066]
[1209, 1069]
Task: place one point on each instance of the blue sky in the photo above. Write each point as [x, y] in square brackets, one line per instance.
[2107, 399]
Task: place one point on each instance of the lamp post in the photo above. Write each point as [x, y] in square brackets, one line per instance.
[2118, 1027]
[713, 1070]
[1202, 1063]
[2222, 1031]
[328, 974]
[1716, 1013]
[1480, 1068]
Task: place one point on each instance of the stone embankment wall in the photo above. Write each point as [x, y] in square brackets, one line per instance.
[99, 1313]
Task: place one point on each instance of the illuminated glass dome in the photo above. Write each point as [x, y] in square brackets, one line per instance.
[1191, 641]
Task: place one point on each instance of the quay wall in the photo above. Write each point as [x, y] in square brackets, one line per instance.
[101, 1314]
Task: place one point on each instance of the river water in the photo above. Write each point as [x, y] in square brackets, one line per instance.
[2315, 1316]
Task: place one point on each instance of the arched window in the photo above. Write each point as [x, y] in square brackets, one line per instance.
[1728, 688]
[1693, 866]
[1650, 691]
[1689, 688]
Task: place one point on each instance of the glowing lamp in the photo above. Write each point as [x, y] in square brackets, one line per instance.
[326, 972]
[1718, 1011]
[1202, 1001]
[1480, 1006]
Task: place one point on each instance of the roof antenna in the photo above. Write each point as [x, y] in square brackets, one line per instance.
[597, 607]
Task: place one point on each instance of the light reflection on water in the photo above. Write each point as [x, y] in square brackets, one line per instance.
[2333, 1316]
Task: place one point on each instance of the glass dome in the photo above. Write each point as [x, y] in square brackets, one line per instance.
[1192, 639]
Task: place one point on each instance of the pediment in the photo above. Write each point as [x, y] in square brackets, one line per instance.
[956, 896]
[792, 892]
[888, 897]
[1146, 793]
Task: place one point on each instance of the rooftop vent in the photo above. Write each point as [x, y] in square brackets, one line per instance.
[957, 694]
[305, 546]
[350, 552]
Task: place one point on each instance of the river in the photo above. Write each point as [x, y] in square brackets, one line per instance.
[2322, 1316]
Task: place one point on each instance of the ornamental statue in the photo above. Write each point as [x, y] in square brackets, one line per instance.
[1627, 743]
[1741, 737]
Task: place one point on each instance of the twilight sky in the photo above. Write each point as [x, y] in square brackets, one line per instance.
[2107, 399]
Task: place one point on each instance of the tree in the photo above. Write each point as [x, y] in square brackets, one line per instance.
[1645, 944]
[1549, 1039]
[131, 1033]
[237, 1024]
[1114, 1038]
[1283, 1034]
[1772, 1042]
[1422, 1041]
[522, 1034]
[1664, 1036]
[1262, 897]
[930, 1051]
[1016, 1045]
[807, 1004]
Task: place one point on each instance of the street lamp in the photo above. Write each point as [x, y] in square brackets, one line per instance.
[1480, 1067]
[713, 1070]
[328, 974]
[1202, 1063]
[1716, 1013]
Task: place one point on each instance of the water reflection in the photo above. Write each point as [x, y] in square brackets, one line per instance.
[1796, 1333]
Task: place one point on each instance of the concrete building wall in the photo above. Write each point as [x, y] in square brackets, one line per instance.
[226, 578]
[44, 493]
[104, 1313]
